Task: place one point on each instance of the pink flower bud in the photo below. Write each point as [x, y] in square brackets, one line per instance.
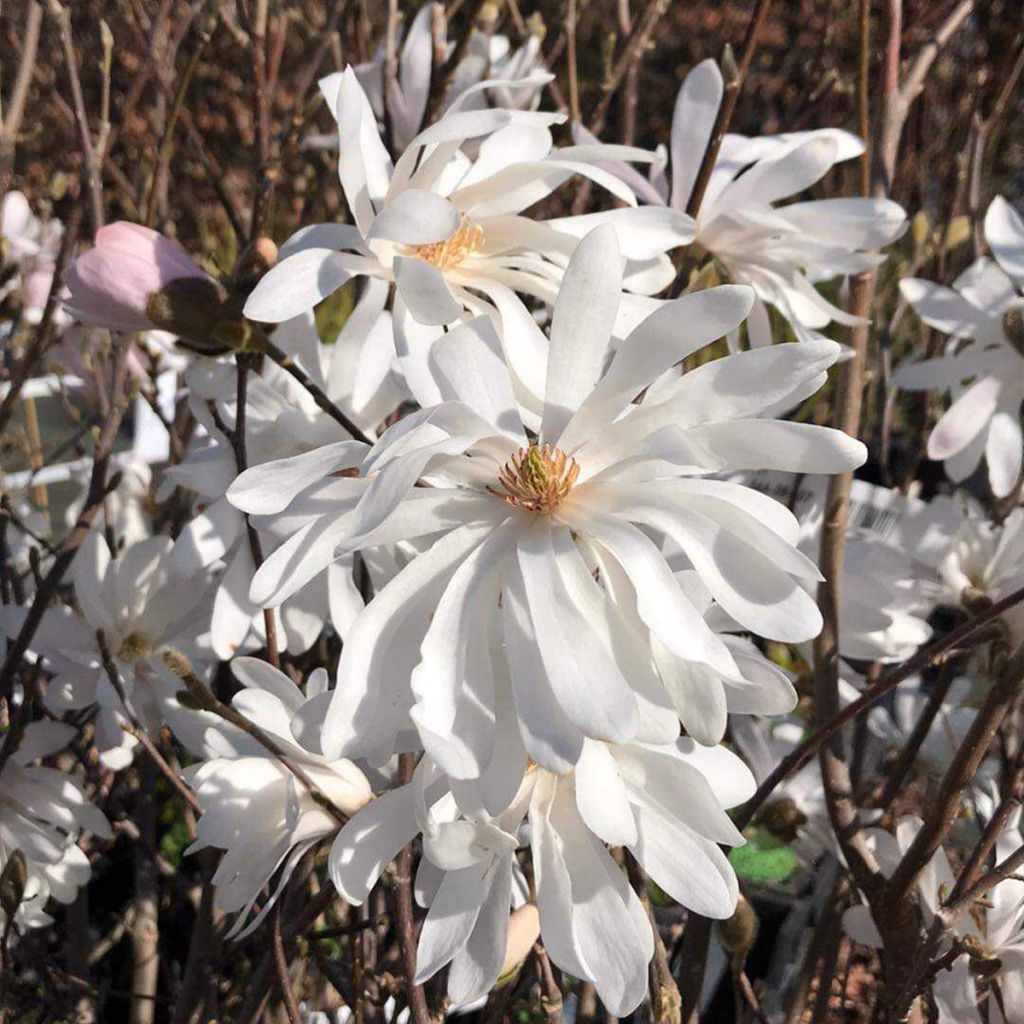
[111, 285]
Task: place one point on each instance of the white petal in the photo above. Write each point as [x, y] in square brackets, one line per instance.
[586, 679]
[451, 919]
[581, 327]
[363, 656]
[665, 338]
[369, 841]
[964, 419]
[941, 307]
[691, 869]
[550, 737]
[471, 368]
[416, 217]
[296, 284]
[781, 445]
[692, 121]
[1004, 232]
[601, 797]
[1003, 451]
[271, 486]
[425, 291]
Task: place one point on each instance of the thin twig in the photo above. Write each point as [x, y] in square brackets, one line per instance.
[284, 980]
[404, 923]
[288, 364]
[727, 108]
[90, 166]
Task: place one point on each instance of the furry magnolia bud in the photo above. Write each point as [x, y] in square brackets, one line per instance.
[1013, 326]
[192, 308]
[256, 259]
[13, 880]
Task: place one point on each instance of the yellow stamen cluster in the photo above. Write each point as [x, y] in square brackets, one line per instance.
[537, 478]
[467, 239]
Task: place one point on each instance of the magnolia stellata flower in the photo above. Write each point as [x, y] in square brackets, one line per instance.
[665, 803]
[796, 812]
[886, 597]
[985, 562]
[994, 939]
[892, 726]
[254, 807]
[452, 234]
[42, 812]
[403, 104]
[777, 250]
[281, 419]
[935, 879]
[983, 364]
[142, 612]
[593, 635]
[31, 246]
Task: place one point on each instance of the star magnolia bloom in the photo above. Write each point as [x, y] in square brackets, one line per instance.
[998, 936]
[487, 56]
[452, 235]
[143, 612]
[593, 631]
[985, 560]
[985, 416]
[113, 284]
[666, 804]
[254, 807]
[893, 726]
[42, 811]
[281, 419]
[777, 250]
[886, 598]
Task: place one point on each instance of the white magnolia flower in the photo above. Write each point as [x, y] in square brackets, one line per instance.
[796, 810]
[665, 804]
[986, 560]
[143, 612]
[356, 373]
[997, 935]
[985, 376]
[893, 724]
[254, 807]
[594, 635]
[886, 596]
[452, 234]
[487, 56]
[42, 812]
[32, 246]
[888, 849]
[777, 250]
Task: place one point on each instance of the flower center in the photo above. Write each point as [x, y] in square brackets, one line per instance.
[134, 647]
[467, 239]
[537, 478]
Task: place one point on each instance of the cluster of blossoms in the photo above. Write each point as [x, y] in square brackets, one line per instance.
[533, 522]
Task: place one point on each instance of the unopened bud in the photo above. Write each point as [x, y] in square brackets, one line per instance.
[13, 880]
[488, 16]
[1013, 325]
[739, 932]
[190, 307]
[256, 259]
[523, 932]
[783, 819]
